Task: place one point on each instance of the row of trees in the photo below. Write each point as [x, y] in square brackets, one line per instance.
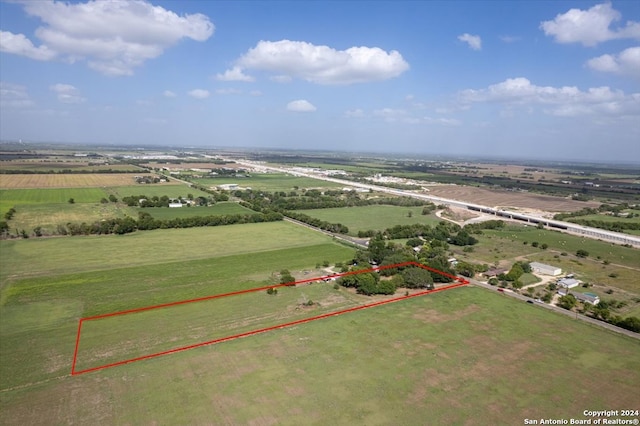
[147, 222]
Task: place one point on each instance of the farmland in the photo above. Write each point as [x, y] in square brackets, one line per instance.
[448, 356]
[66, 180]
[326, 367]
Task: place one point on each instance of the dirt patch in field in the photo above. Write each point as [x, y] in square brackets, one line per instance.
[432, 316]
[508, 199]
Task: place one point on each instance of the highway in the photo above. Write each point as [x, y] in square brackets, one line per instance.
[568, 227]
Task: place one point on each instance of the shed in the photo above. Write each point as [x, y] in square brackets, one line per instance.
[544, 269]
[568, 282]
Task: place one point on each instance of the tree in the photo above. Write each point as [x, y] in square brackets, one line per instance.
[410, 214]
[582, 253]
[71, 201]
[567, 302]
[113, 198]
[417, 278]
[287, 278]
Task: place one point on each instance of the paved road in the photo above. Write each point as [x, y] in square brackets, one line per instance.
[509, 293]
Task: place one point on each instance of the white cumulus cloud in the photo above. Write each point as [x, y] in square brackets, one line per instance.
[18, 44]
[322, 64]
[169, 94]
[301, 105]
[67, 93]
[234, 74]
[474, 41]
[14, 96]
[562, 101]
[113, 37]
[626, 62]
[199, 93]
[589, 27]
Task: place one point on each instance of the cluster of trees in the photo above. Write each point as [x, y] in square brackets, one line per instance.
[603, 312]
[336, 228]
[163, 201]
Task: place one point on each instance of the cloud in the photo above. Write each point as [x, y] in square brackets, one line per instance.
[228, 91]
[67, 94]
[323, 64]
[14, 96]
[449, 122]
[561, 101]
[199, 93]
[301, 105]
[354, 113]
[509, 39]
[18, 44]
[169, 94]
[626, 62]
[234, 74]
[113, 37]
[589, 27]
[474, 41]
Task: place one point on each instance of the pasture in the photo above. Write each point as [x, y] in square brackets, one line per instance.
[54, 256]
[376, 217]
[269, 182]
[27, 197]
[447, 356]
[49, 216]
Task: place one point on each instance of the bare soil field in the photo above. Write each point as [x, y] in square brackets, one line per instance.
[509, 199]
[67, 180]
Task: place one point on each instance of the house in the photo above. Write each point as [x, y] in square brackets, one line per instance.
[586, 297]
[494, 272]
[568, 283]
[453, 261]
[544, 269]
[175, 204]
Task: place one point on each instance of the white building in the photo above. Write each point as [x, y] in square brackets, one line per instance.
[544, 269]
[568, 283]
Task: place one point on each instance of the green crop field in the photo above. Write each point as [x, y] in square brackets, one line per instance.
[372, 217]
[444, 357]
[270, 182]
[218, 209]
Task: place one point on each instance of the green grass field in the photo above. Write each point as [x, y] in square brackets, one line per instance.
[65, 255]
[49, 216]
[467, 351]
[215, 210]
[118, 338]
[270, 182]
[26, 197]
[40, 305]
[372, 217]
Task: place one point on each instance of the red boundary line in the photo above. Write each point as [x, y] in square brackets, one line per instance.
[460, 282]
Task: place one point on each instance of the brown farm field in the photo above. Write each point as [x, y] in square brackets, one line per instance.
[24, 181]
[509, 199]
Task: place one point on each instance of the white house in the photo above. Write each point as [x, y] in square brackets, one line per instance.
[544, 269]
[174, 204]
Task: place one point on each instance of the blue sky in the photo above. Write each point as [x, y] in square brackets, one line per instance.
[526, 79]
